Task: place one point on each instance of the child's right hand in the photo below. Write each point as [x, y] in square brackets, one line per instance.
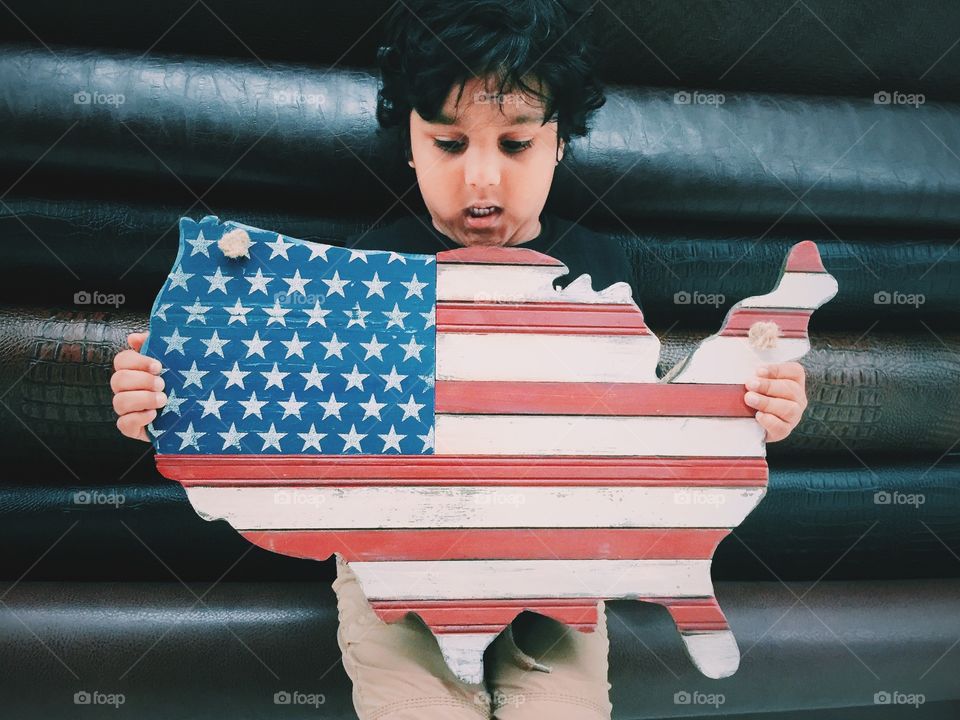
[136, 386]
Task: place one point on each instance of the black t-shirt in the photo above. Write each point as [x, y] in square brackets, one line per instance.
[580, 249]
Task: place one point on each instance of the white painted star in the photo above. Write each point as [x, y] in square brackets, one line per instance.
[276, 313]
[317, 315]
[411, 409]
[427, 440]
[232, 438]
[178, 278]
[214, 344]
[175, 342]
[190, 437]
[371, 408]
[197, 311]
[162, 311]
[357, 316]
[193, 376]
[258, 283]
[355, 378]
[271, 438]
[429, 318]
[311, 439]
[412, 349]
[295, 346]
[414, 287]
[357, 255]
[375, 286]
[396, 256]
[393, 379]
[395, 317]
[238, 313]
[252, 405]
[173, 403]
[428, 379]
[255, 345]
[334, 347]
[317, 250]
[331, 407]
[274, 377]
[200, 245]
[218, 281]
[291, 406]
[235, 376]
[336, 285]
[352, 438]
[391, 440]
[211, 406]
[314, 378]
[373, 348]
[279, 247]
[297, 283]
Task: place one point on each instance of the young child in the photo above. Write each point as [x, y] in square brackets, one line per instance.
[485, 96]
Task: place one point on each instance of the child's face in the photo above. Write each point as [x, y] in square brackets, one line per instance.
[494, 153]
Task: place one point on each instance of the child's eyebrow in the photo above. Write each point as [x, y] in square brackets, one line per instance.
[444, 119]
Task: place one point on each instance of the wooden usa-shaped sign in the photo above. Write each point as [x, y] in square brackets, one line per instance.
[473, 440]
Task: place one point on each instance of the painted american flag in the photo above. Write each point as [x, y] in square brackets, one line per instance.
[529, 458]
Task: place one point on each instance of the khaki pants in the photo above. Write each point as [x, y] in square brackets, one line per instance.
[399, 673]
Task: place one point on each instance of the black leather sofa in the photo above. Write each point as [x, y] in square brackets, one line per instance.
[843, 587]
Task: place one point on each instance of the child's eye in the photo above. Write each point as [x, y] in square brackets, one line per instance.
[511, 146]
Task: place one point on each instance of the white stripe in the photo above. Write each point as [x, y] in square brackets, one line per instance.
[598, 435]
[520, 283]
[714, 652]
[502, 579]
[557, 358]
[725, 359]
[354, 508]
[796, 290]
[464, 653]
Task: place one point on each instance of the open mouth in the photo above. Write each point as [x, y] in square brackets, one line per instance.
[482, 211]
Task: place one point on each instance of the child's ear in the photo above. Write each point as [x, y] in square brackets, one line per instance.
[560, 146]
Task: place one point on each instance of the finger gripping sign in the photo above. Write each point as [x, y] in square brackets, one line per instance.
[472, 439]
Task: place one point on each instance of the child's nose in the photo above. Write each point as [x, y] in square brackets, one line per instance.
[482, 169]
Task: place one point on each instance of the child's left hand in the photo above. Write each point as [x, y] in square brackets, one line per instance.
[779, 394]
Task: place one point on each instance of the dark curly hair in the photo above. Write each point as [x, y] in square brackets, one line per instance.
[432, 45]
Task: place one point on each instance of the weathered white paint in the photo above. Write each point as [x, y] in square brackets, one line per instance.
[598, 435]
[353, 508]
[545, 357]
[714, 652]
[502, 579]
[464, 653]
[521, 283]
[796, 290]
[733, 359]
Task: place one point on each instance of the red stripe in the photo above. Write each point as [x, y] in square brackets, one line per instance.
[804, 257]
[793, 324]
[689, 614]
[554, 318]
[590, 398]
[496, 256]
[472, 470]
[495, 543]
